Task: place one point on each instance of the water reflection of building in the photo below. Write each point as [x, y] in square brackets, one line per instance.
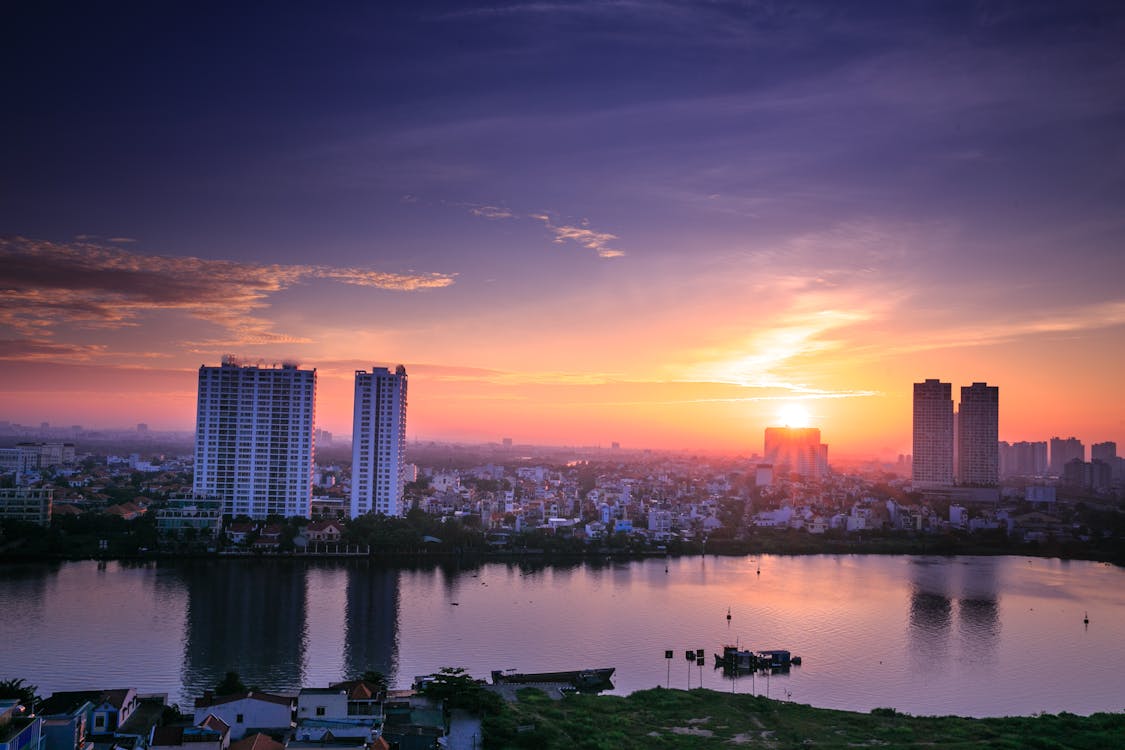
[978, 611]
[934, 588]
[371, 621]
[244, 616]
[931, 611]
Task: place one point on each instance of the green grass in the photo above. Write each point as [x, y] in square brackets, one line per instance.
[672, 719]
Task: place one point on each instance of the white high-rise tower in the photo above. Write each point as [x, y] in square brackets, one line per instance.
[379, 441]
[254, 438]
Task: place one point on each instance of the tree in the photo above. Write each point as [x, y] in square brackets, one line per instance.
[457, 689]
[16, 688]
[230, 684]
[376, 678]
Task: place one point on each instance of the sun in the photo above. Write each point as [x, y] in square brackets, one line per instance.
[794, 415]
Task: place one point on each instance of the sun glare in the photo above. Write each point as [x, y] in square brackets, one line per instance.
[794, 415]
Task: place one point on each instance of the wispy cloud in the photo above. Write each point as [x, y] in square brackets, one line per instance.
[1081, 319]
[44, 285]
[491, 212]
[582, 235]
[38, 349]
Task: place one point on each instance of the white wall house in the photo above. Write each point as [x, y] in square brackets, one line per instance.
[248, 711]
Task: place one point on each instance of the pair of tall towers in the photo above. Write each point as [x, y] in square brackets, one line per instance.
[255, 439]
[967, 452]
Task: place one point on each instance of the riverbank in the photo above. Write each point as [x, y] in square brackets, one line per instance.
[662, 718]
[787, 545]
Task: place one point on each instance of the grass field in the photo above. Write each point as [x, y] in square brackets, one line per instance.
[662, 718]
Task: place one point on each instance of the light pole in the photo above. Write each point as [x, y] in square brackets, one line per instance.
[668, 658]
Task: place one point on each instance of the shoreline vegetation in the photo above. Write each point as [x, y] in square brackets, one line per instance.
[776, 544]
[699, 718]
[419, 536]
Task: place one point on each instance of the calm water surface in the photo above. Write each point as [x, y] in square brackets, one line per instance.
[977, 636]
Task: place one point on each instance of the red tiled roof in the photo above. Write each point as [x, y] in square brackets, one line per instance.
[357, 689]
[214, 722]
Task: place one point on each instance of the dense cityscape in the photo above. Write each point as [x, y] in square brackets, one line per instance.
[255, 484]
[627, 374]
[263, 482]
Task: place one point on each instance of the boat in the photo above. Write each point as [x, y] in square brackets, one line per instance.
[583, 679]
[775, 659]
[734, 659]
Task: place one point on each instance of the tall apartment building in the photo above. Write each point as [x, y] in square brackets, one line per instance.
[1106, 452]
[1063, 451]
[978, 427]
[797, 450]
[254, 438]
[379, 441]
[933, 434]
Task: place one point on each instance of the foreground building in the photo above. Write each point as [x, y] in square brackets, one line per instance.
[378, 441]
[254, 438]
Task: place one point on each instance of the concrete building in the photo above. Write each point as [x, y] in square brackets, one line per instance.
[933, 434]
[254, 438]
[27, 504]
[203, 516]
[379, 442]
[1105, 452]
[1023, 459]
[20, 729]
[797, 450]
[978, 429]
[248, 712]
[1063, 451]
[1096, 475]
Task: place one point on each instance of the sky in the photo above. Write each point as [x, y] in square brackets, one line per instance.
[657, 223]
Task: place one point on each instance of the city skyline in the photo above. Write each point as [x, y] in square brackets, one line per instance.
[573, 223]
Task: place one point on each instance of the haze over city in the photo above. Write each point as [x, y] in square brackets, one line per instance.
[663, 224]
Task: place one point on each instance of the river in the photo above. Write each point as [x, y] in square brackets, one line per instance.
[973, 636]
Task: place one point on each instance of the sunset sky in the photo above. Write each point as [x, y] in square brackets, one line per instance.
[574, 222]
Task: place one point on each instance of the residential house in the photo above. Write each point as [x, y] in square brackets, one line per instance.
[239, 533]
[211, 734]
[324, 531]
[269, 537]
[107, 710]
[64, 721]
[364, 698]
[19, 728]
[248, 712]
